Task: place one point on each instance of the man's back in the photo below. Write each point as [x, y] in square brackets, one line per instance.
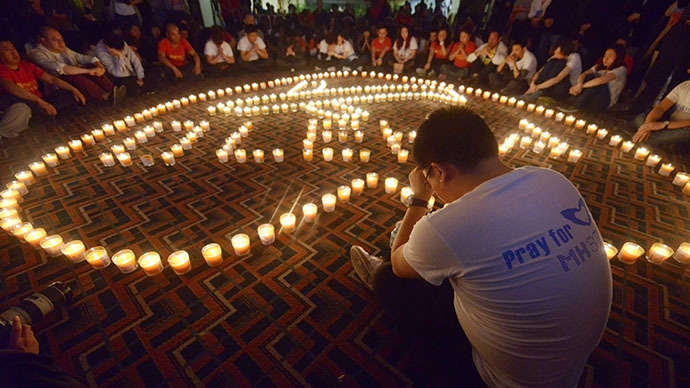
[531, 279]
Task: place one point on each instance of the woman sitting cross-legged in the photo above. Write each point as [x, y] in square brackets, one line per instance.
[459, 67]
[404, 50]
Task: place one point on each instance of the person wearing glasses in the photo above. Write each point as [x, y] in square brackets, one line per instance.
[510, 275]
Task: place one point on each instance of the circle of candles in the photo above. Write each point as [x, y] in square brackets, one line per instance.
[327, 154]
[26, 177]
[151, 263]
[611, 250]
[287, 221]
[179, 262]
[97, 257]
[241, 244]
[74, 251]
[630, 252]
[309, 210]
[35, 236]
[372, 180]
[328, 202]
[344, 193]
[278, 155]
[391, 185]
[682, 254]
[658, 253]
[107, 159]
[357, 186]
[125, 260]
[681, 179]
[168, 158]
[52, 245]
[213, 254]
[666, 169]
[50, 159]
[574, 156]
[125, 159]
[38, 168]
[22, 229]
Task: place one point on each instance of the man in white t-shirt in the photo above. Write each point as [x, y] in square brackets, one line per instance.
[253, 54]
[667, 124]
[522, 253]
[513, 74]
[487, 57]
[218, 53]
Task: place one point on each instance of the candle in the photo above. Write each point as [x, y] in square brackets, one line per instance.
[240, 155]
[307, 144]
[383, 124]
[205, 126]
[327, 136]
[347, 155]
[365, 116]
[592, 128]
[149, 131]
[22, 229]
[168, 158]
[630, 252]
[179, 261]
[602, 133]
[125, 260]
[129, 143]
[405, 193]
[213, 254]
[357, 186]
[11, 194]
[50, 159]
[327, 154]
[74, 251]
[641, 153]
[309, 211]
[540, 110]
[52, 245]
[97, 135]
[76, 145]
[682, 254]
[107, 159]
[574, 156]
[344, 193]
[549, 113]
[402, 156]
[486, 95]
[19, 186]
[681, 179]
[342, 136]
[525, 142]
[539, 147]
[88, 139]
[266, 234]
[531, 107]
[63, 152]
[503, 99]
[372, 180]
[150, 262]
[658, 253]
[7, 203]
[287, 221]
[244, 131]
[359, 136]
[8, 224]
[555, 152]
[141, 137]
[615, 139]
[308, 155]
[176, 125]
[611, 251]
[327, 124]
[241, 244]
[579, 124]
[391, 185]
[177, 149]
[569, 120]
[311, 136]
[222, 155]
[35, 236]
[278, 155]
[119, 125]
[125, 159]
[666, 169]
[26, 177]
[653, 160]
[364, 155]
[258, 155]
[129, 121]
[328, 201]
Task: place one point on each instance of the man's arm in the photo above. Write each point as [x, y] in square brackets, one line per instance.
[18, 91]
[164, 60]
[604, 79]
[552, 81]
[62, 84]
[263, 53]
[245, 55]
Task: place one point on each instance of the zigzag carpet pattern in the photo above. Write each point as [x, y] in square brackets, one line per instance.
[294, 313]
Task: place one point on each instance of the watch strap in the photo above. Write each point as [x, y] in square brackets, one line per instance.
[417, 202]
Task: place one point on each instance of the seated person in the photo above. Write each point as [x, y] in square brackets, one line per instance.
[668, 124]
[85, 72]
[173, 51]
[291, 52]
[20, 92]
[335, 52]
[459, 67]
[218, 53]
[381, 46]
[476, 288]
[512, 75]
[404, 50]
[144, 47]
[598, 88]
[363, 45]
[124, 67]
[552, 80]
[486, 58]
[438, 54]
[253, 53]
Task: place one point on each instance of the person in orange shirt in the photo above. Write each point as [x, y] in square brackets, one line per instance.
[438, 54]
[173, 51]
[380, 47]
[460, 66]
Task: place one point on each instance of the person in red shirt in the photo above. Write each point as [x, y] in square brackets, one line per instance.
[173, 51]
[19, 82]
[438, 53]
[380, 47]
[460, 66]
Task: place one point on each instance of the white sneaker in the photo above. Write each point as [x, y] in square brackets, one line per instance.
[364, 264]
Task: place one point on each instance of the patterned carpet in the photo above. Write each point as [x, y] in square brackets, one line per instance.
[294, 313]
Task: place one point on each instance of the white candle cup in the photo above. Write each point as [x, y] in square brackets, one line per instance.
[97, 257]
[569, 120]
[372, 180]
[682, 254]
[359, 136]
[21, 230]
[176, 125]
[35, 236]
[151, 263]
[342, 136]
[327, 136]
[681, 179]
[11, 194]
[364, 155]
[641, 153]
[403, 155]
[347, 154]
[525, 142]
[658, 253]
[266, 234]
[63, 152]
[344, 193]
[240, 156]
[258, 155]
[653, 161]
[179, 262]
[391, 185]
[540, 110]
[307, 155]
[327, 154]
[241, 244]
[125, 159]
[611, 250]
[26, 177]
[666, 169]
[538, 147]
[50, 159]
[614, 140]
[574, 156]
[328, 202]
[579, 124]
[278, 155]
[287, 222]
[19, 186]
[213, 254]
[309, 212]
[602, 133]
[168, 158]
[125, 260]
[52, 245]
[10, 223]
[38, 168]
[630, 252]
[149, 131]
[627, 146]
[357, 186]
[74, 251]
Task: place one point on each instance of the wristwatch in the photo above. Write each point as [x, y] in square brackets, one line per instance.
[414, 201]
[666, 124]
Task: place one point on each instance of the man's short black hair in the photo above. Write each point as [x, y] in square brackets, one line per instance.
[456, 136]
[114, 41]
[248, 29]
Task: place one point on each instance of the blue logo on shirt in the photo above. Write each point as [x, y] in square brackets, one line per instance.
[577, 215]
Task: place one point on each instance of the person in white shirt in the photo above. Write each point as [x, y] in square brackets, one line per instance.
[487, 57]
[598, 88]
[253, 54]
[667, 125]
[124, 67]
[516, 250]
[513, 74]
[404, 50]
[218, 53]
[335, 52]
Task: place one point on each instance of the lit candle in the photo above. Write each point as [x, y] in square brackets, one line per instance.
[258, 155]
[213, 254]
[592, 128]
[658, 253]
[602, 133]
[486, 95]
[328, 201]
[525, 142]
[205, 126]
[539, 147]
[372, 180]
[278, 155]
[266, 234]
[50, 159]
[176, 125]
[240, 155]
[35, 236]
[327, 154]
[347, 154]
[307, 155]
[653, 160]
[344, 193]
[309, 211]
[149, 131]
[540, 110]
[120, 125]
[666, 169]
[630, 252]
[22, 229]
[244, 131]
[168, 158]
[402, 156]
[327, 124]
[615, 139]
[359, 136]
[357, 186]
[241, 244]
[503, 99]
[383, 124]
[38, 168]
[8, 224]
[549, 113]
[520, 104]
[141, 137]
[179, 261]
[641, 153]
[125, 260]
[19, 186]
[63, 152]
[107, 159]
[560, 116]
[531, 107]
[177, 149]
[76, 145]
[125, 159]
[11, 194]
[574, 156]
[555, 152]
[307, 144]
[342, 136]
[579, 124]
[681, 179]
[682, 254]
[405, 193]
[129, 143]
[287, 221]
[327, 136]
[569, 120]
[52, 245]
[364, 155]
[7, 203]
[151, 263]
[26, 177]
[391, 185]
[611, 251]
[222, 155]
[74, 251]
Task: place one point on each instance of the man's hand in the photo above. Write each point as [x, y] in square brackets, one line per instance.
[576, 89]
[47, 107]
[78, 96]
[646, 130]
[510, 59]
[96, 71]
[633, 17]
[197, 68]
[419, 185]
[548, 23]
[22, 338]
[178, 73]
[427, 66]
[140, 82]
[532, 88]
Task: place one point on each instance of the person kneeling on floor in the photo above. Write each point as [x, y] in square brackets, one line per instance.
[667, 124]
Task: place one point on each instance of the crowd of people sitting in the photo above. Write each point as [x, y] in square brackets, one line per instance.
[569, 54]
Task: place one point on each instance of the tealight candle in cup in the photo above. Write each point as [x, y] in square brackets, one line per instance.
[20, 187]
[549, 113]
[611, 251]
[525, 142]
[327, 136]
[681, 179]
[125, 159]
[682, 254]
[364, 155]
[522, 124]
[287, 222]
[120, 125]
[560, 116]
[88, 139]
[125, 260]
[138, 117]
[129, 143]
[344, 193]
[204, 125]
[307, 155]
[391, 185]
[540, 110]
[402, 155]
[266, 234]
[141, 137]
[177, 149]
[359, 136]
[168, 158]
[539, 147]
[74, 251]
[627, 146]
[666, 169]
[177, 104]
[222, 155]
[574, 156]
[327, 154]
[10, 223]
[240, 155]
[579, 124]
[35, 236]
[147, 160]
[569, 120]
[213, 254]
[149, 131]
[241, 244]
[158, 126]
[309, 210]
[38, 168]
[76, 145]
[342, 136]
[9, 203]
[372, 180]
[63, 152]
[365, 116]
[592, 128]
[503, 99]
[357, 186]
[52, 245]
[405, 193]
[278, 155]
[50, 159]
[531, 107]
[641, 153]
[109, 130]
[347, 154]
[258, 155]
[107, 159]
[328, 202]
[520, 104]
[151, 263]
[658, 253]
[327, 123]
[555, 152]
[179, 261]
[630, 252]
[653, 160]
[176, 125]
[26, 177]
[307, 144]
[22, 229]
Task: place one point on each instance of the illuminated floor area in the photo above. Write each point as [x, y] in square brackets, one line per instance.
[293, 313]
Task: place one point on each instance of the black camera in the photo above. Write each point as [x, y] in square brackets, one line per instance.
[34, 307]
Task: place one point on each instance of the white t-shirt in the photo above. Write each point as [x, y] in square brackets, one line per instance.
[575, 65]
[528, 62]
[124, 9]
[244, 45]
[212, 49]
[531, 279]
[680, 95]
[344, 48]
[616, 86]
[407, 49]
[538, 8]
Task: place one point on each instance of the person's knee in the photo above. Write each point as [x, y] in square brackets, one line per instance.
[382, 279]
[22, 110]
